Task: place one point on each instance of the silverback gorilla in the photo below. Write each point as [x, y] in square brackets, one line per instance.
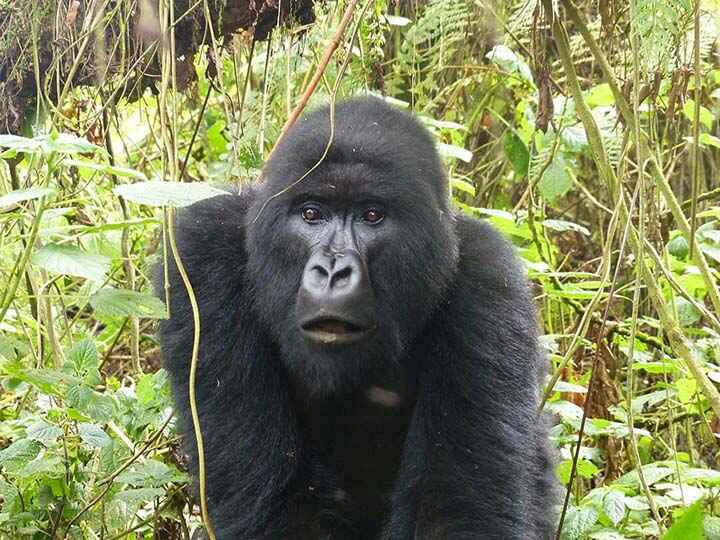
[368, 365]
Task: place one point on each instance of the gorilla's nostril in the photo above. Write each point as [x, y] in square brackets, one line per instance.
[319, 275]
[341, 278]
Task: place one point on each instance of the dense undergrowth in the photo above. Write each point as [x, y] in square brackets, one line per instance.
[591, 142]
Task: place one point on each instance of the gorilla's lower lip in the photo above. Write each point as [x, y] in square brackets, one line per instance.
[333, 331]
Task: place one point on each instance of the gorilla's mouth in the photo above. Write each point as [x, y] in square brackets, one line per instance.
[330, 330]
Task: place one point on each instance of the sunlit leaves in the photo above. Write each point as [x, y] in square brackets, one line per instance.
[177, 194]
[71, 260]
[125, 303]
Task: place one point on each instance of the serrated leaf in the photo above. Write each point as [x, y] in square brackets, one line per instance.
[21, 195]
[578, 522]
[83, 355]
[689, 526]
[84, 360]
[137, 497]
[100, 407]
[42, 467]
[43, 432]
[48, 381]
[176, 194]
[614, 506]
[556, 181]
[93, 435]
[652, 473]
[151, 473]
[687, 313]
[711, 527]
[678, 247]
[19, 453]
[126, 303]
[72, 261]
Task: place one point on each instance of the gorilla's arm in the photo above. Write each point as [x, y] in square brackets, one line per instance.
[474, 447]
[250, 438]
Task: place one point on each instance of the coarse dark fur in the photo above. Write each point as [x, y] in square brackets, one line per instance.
[427, 427]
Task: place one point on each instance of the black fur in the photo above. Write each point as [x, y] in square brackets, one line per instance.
[425, 429]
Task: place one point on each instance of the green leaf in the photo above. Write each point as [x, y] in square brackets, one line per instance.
[105, 169]
[93, 435]
[678, 247]
[614, 506]
[652, 473]
[599, 95]
[706, 117]
[176, 194]
[562, 226]
[97, 406]
[136, 497]
[585, 469]
[556, 181]
[689, 526]
[126, 303]
[707, 140]
[48, 381]
[67, 143]
[686, 389]
[506, 59]
[72, 261]
[394, 20]
[21, 195]
[453, 151]
[151, 473]
[19, 144]
[84, 360]
[711, 526]
[19, 454]
[43, 432]
[688, 314]
[578, 522]
[517, 153]
[42, 468]
[463, 186]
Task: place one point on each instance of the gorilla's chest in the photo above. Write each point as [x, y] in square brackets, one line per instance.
[357, 442]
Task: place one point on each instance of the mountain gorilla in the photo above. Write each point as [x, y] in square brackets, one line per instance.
[368, 364]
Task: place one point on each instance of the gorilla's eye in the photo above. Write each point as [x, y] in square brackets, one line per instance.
[372, 215]
[311, 214]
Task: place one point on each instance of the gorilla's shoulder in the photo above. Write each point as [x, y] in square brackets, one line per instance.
[215, 222]
[486, 257]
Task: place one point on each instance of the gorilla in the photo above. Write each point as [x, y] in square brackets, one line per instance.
[368, 362]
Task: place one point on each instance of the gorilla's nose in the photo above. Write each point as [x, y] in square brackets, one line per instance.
[335, 302]
[333, 275]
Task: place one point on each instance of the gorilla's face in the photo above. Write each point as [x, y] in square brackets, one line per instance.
[349, 261]
[335, 304]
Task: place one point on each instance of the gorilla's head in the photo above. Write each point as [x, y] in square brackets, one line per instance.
[350, 250]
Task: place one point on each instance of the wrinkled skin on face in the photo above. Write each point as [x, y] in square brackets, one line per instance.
[340, 233]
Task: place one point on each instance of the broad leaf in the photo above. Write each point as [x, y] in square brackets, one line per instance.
[126, 303]
[71, 260]
[176, 194]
